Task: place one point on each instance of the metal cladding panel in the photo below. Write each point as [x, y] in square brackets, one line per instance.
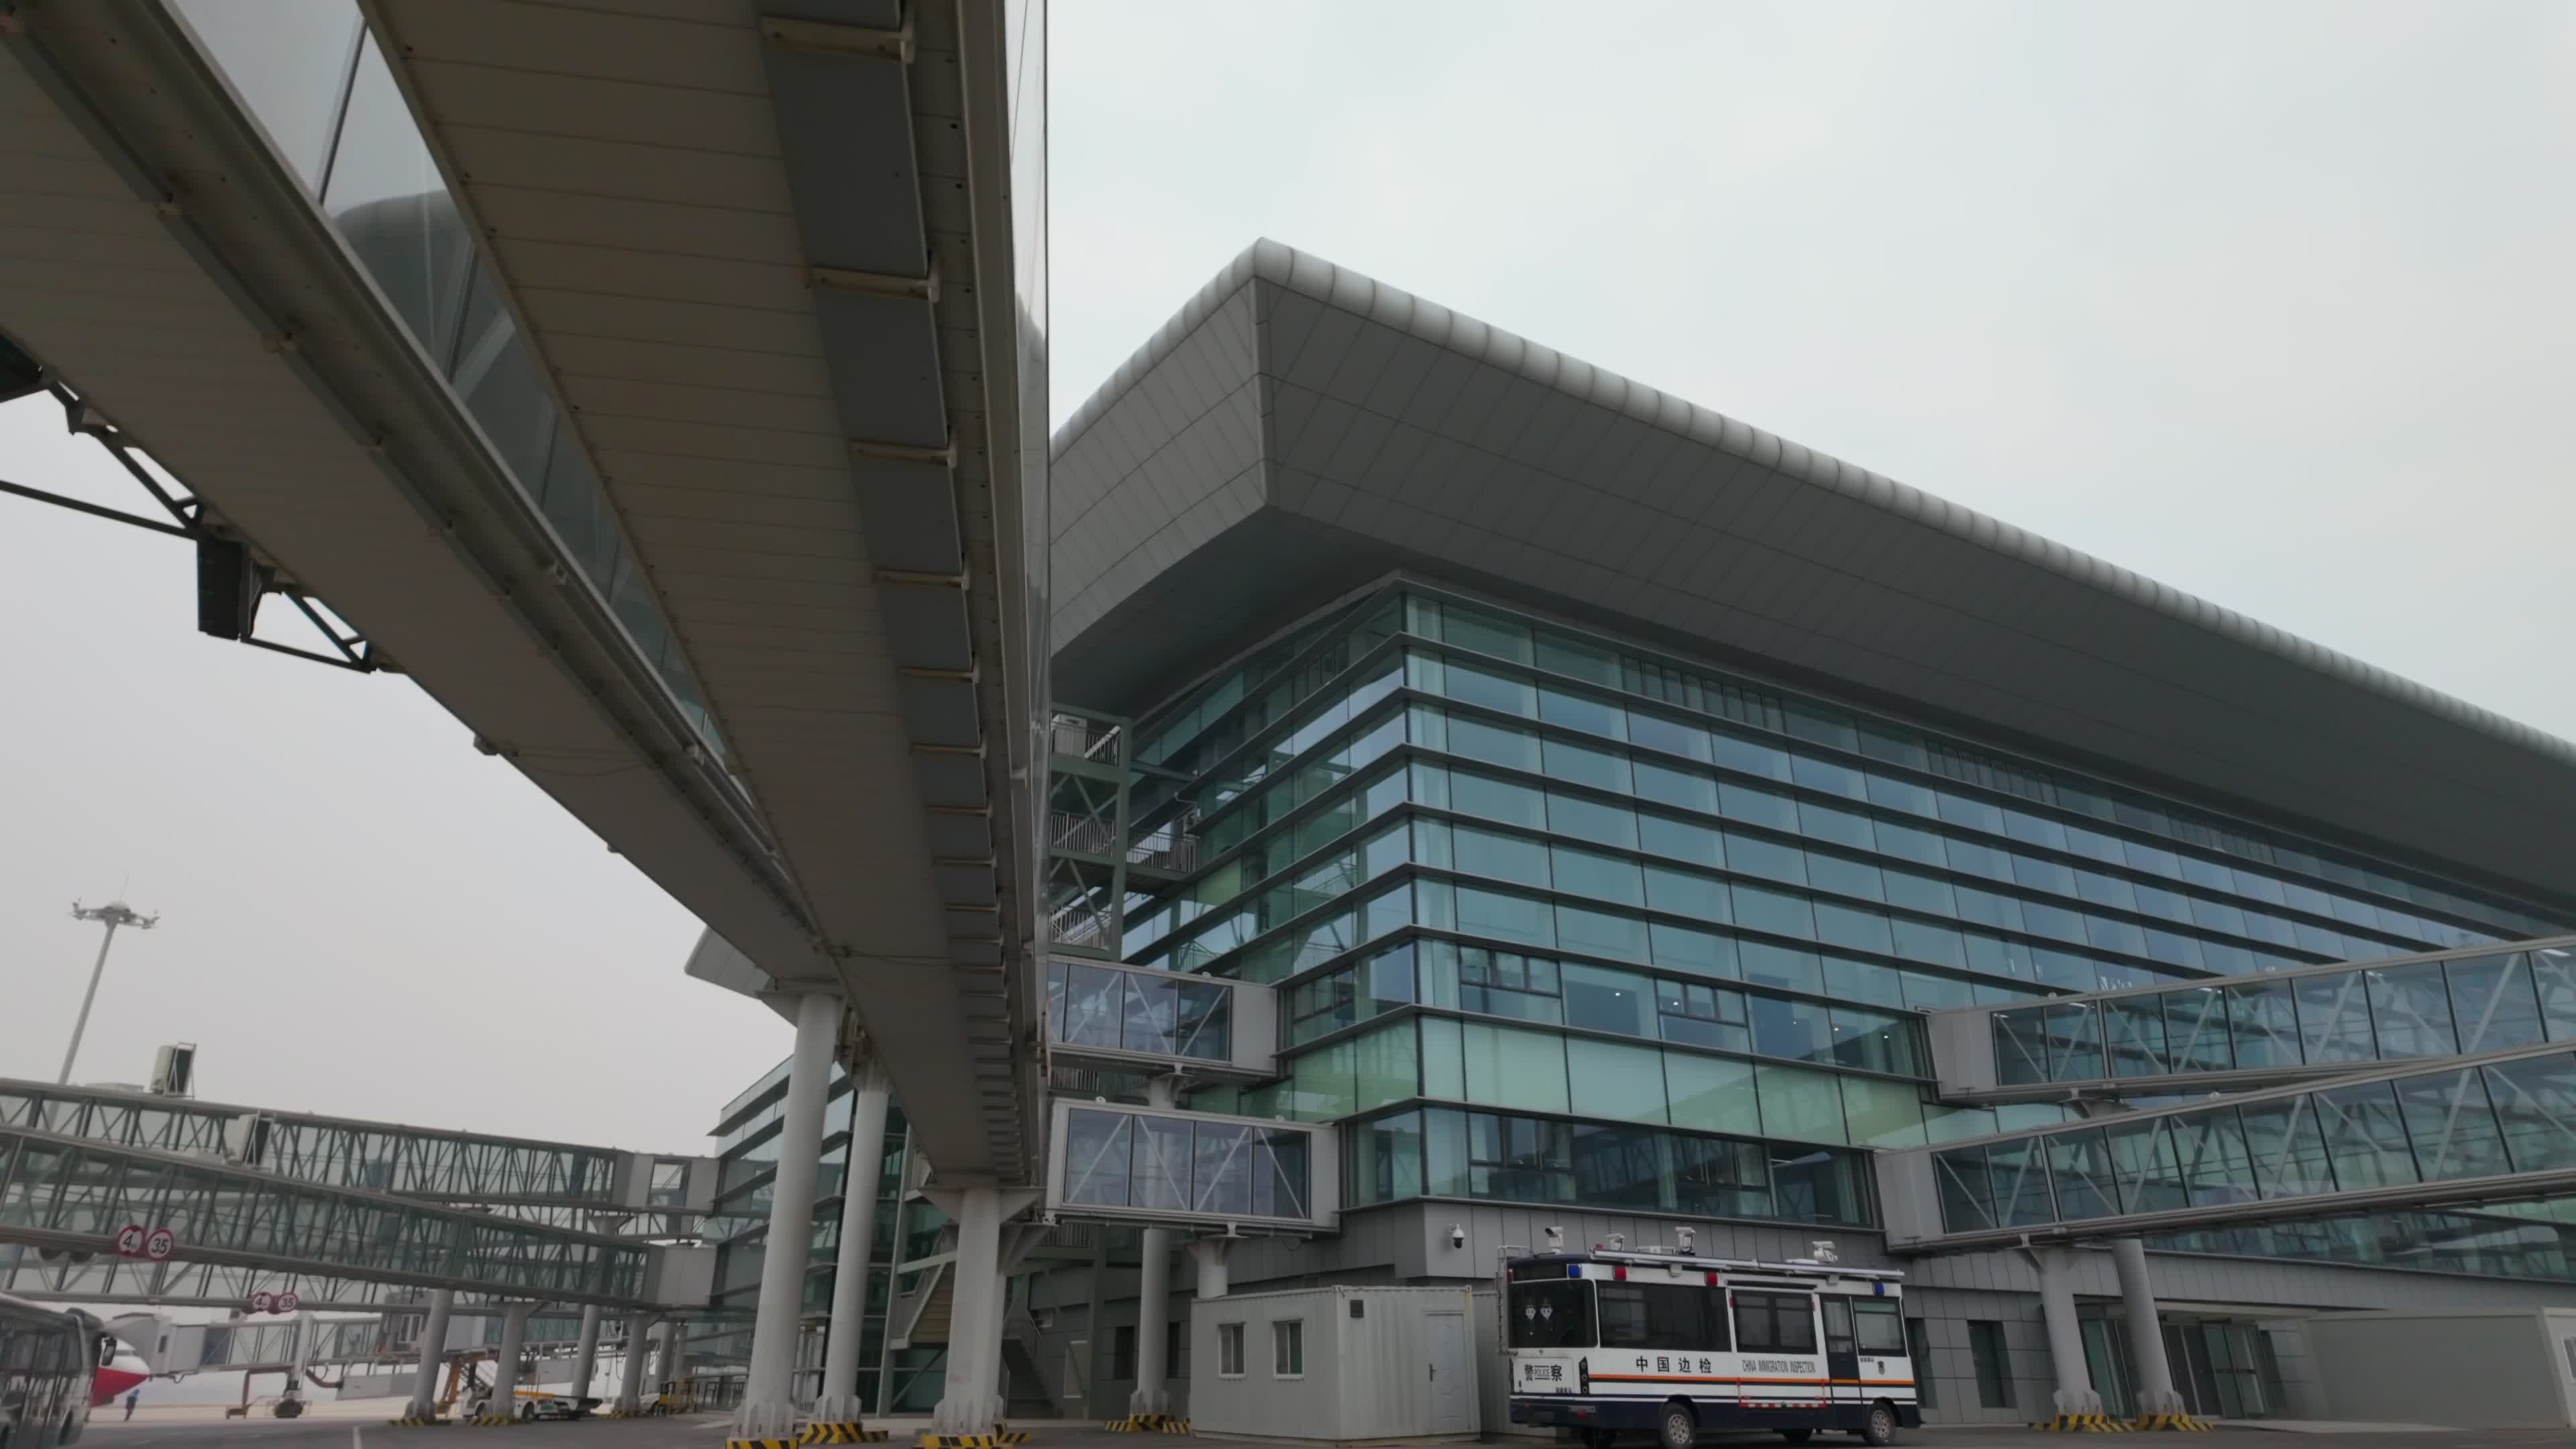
[910, 508]
[883, 357]
[845, 127]
[1963, 1049]
[1542, 479]
[680, 1275]
[1909, 1202]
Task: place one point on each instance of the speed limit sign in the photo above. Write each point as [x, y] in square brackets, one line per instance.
[288, 1303]
[263, 1301]
[129, 1241]
[159, 1244]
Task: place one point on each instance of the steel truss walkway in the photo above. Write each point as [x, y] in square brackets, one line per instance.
[2228, 1033]
[2457, 1133]
[416, 1162]
[70, 1195]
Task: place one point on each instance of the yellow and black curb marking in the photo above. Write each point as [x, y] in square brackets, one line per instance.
[2173, 1423]
[1148, 1424]
[2082, 1424]
[762, 1443]
[415, 1423]
[491, 1421]
[999, 1439]
[840, 1434]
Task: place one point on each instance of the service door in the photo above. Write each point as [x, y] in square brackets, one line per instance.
[1842, 1350]
[1452, 1405]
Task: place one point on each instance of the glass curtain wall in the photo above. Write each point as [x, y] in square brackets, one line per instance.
[1549, 879]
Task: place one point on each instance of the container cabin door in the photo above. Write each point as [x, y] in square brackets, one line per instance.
[1452, 1404]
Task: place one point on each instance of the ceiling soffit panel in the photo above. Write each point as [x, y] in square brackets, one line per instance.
[2043, 648]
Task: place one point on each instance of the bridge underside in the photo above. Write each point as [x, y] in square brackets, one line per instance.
[760, 277]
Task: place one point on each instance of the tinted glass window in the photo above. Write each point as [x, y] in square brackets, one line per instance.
[1838, 1323]
[1654, 1315]
[1877, 1327]
[1552, 1314]
[1774, 1322]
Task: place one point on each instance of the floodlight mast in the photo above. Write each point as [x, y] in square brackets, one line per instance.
[113, 915]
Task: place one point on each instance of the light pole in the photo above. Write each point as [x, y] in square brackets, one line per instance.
[114, 914]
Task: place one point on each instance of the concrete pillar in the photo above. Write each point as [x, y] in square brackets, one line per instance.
[2156, 1394]
[971, 1401]
[1153, 1310]
[768, 1405]
[675, 1357]
[585, 1354]
[1154, 1289]
[433, 1353]
[639, 1345]
[504, 1403]
[1210, 1254]
[839, 1404]
[2056, 1267]
[1095, 1349]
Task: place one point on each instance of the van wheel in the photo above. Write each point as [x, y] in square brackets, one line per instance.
[1796, 1436]
[1880, 1427]
[1678, 1429]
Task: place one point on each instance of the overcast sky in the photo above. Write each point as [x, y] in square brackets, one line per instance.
[2270, 303]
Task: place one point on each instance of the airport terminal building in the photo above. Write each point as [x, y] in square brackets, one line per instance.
[1487, 796]
[1612, 795]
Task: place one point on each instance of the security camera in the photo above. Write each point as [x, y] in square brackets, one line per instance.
[1457, 1235]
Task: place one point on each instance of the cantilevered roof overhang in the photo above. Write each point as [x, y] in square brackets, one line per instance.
[766, 261]
[1299, 429]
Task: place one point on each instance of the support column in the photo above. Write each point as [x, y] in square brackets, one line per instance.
[839, 1403]
[639, 1348]
[585, 1355]
[768, 1408]
[504, 1403]
[433, 1352]
[675, 1360]
[971, 1402]
[2075, 1393]
[1154, 1289]
[1210, 1254]
[1153, 1310]
[2156, 1394]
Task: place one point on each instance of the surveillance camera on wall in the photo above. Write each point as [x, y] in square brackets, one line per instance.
[1457, 1235]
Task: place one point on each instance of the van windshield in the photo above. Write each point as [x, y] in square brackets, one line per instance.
[1552, 1313]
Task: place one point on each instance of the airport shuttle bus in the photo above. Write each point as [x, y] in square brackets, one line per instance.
[49, 1360]
[1612, 1342]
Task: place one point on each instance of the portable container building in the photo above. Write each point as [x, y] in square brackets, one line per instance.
[2485, 1368]
[1338, 1365]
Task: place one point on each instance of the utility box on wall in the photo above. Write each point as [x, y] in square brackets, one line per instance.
[1338, 1365]
[2486, 1368]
